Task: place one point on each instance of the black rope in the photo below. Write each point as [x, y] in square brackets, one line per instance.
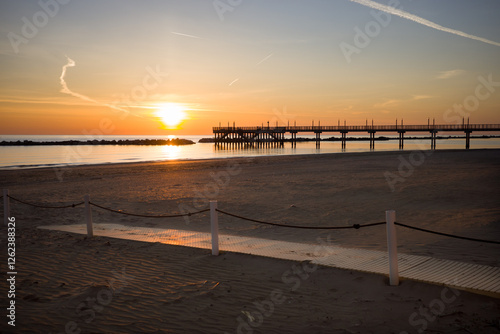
[148, 216]
[355, 226]
[46, 206]
[447, 235]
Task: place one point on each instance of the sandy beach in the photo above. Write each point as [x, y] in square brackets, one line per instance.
[67, 283]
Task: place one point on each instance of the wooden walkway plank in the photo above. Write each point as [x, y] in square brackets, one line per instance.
[474, 277]
[480, 272]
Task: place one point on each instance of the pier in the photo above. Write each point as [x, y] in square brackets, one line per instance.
[276, 136]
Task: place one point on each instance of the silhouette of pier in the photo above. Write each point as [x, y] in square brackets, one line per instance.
[276, 136]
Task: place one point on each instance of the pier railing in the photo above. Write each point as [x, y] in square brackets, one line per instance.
[262, 134]
[340, 128]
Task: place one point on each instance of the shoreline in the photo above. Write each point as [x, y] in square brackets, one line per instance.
[226, 158]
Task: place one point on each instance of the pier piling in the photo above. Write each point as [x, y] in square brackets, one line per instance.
[267, 136]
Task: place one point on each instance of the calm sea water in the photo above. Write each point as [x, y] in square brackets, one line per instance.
[47, 156]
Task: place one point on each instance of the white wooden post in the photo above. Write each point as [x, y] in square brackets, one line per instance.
[6, 206]
[88, 216]
[214, 223]
[392, 247]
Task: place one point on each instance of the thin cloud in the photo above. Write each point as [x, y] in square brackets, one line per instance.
[396, 103]
[264, 59]
[257, 64]
[65, 89]
[40, 101]
[388, 103]
[449, 74]
[185, 35]
[421, 97]
[417, 19]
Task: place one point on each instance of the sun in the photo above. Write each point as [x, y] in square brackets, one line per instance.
[171, 114]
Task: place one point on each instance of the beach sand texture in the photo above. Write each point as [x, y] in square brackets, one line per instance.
[466, 276]
[105, 285]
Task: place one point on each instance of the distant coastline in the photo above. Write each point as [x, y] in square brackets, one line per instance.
[144, 142]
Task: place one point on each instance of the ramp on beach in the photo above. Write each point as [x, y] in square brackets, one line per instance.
[478, 278]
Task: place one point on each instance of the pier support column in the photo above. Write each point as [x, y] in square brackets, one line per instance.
[344, 137]
[372, 140]
[467, 140]
[401, 139]
[318, 139]
[433, 139]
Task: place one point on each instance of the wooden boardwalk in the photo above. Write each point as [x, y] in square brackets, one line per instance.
[277, 134]
[476, 278]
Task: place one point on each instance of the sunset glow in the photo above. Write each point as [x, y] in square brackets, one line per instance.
[258, 62]
[171, 114]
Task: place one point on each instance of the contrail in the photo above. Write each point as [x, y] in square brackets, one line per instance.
[232, 82]
[449, 74]
[260, 62]
[417, 19]
[186, 35]
[66, 90]
[264, 59]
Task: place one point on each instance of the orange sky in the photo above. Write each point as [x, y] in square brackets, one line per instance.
[290, 65]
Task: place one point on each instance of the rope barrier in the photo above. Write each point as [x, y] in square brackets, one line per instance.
[46, 206]
[355, 226]
[149, 216]
[446, 234]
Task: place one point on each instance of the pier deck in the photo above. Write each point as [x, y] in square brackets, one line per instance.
[277, 134]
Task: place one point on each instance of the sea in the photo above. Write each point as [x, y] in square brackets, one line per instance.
[23, 157]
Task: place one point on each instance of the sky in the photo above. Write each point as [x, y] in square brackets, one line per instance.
[173, 67]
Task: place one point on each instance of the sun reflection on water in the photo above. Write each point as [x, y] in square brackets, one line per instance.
[171, 152]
